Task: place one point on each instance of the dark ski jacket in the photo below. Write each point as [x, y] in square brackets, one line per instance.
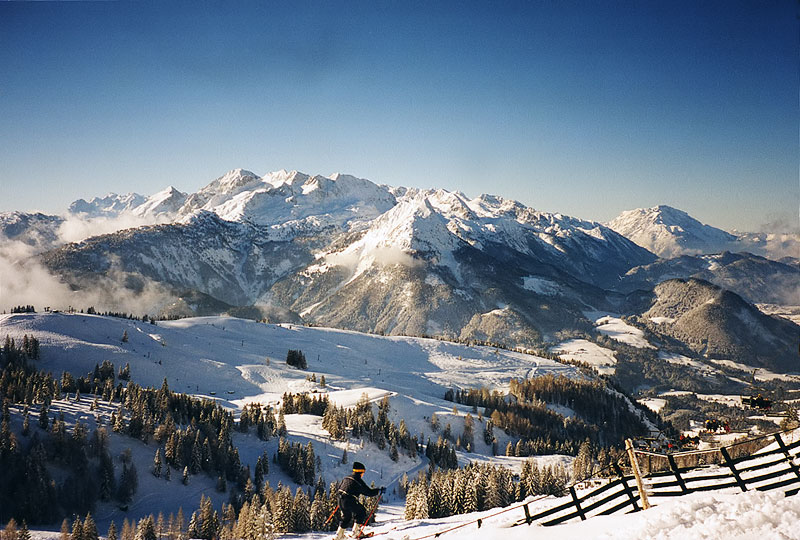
[353, 486]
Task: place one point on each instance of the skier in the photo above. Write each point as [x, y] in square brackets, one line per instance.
[349, 489]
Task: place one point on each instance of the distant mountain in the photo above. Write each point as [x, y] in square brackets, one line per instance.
[719, 324]
[757, 279]
[166, 202]
[345, 252]
[38, 231]
[111, 205]
[669, 232]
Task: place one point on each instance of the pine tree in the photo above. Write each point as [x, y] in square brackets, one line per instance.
[318, 514]
[89, 528]
[434, 423]
[24, 533]
[194, 526]
[128, 483]
[281, 428]
[180, 521]
[160, 525]
[65, 530]
[208, 519]
[77, 529]
[44, 421]
[125, 533]
[10, 532]
[112, 532]
[261, 523]
[185, 479]
[157, 463]
[228, 522]
[282, 511]
[582, 465]
[197, 456]
[146, 529]
[301, 511]
[421, 509]
[106, 473]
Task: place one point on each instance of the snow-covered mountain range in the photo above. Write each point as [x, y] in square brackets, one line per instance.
[350, 255]
[345, 252]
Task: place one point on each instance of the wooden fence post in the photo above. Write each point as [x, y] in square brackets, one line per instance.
[528, 518]
[637, 474]
[677, 473]
[787, 454]
[577, 504]
[625, 486]
[729, 463]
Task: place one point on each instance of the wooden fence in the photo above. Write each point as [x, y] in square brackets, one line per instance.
[764, 471]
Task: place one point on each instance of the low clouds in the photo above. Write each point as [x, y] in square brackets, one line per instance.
[25, 280]
[76, 228]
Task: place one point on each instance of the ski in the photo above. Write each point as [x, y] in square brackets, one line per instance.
[370, 534]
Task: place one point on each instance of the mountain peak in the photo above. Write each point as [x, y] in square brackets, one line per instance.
[670, 232]
[111, 205]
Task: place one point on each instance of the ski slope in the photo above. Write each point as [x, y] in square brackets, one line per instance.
[236, 361]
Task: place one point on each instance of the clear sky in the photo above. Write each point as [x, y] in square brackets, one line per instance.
[586, 108]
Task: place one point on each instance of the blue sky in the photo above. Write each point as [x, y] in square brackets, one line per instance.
[584, 108]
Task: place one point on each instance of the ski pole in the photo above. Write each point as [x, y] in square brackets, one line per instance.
[330, 517]
[374, 509]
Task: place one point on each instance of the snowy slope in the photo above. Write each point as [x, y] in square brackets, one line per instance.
[166, 202]
[701, 516]
[236, 362]
[228, 356]
[707, 516]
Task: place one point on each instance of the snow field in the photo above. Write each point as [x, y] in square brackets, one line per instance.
[236, 362]
[581, 350]
[619, 330]
[214, 356]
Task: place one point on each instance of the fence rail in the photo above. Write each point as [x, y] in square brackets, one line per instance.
[760, 471]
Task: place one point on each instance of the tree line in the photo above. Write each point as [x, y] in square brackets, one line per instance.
[362, 423]
[603, 415]
[441, 493]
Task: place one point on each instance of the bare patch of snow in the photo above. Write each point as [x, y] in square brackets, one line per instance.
[654, 404]
[619, 330]
[540, 285]
[662, 320]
